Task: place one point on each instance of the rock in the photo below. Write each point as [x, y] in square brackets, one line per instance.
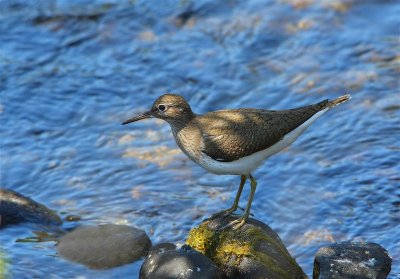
[16, 208]
[355, 260]
[253, 251]
[160, 248]
[165, 261]
[104, 246]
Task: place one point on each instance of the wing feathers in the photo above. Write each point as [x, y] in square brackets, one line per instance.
[232, 134]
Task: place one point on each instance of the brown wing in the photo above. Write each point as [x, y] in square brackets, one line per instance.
[229, 135]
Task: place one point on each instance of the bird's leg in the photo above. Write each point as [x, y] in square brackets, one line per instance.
[236, 224]
[235, 205]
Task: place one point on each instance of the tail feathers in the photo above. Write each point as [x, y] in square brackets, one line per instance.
[338, 101]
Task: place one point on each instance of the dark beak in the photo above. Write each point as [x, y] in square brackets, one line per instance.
[139, 117]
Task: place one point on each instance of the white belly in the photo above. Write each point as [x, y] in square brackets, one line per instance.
[246, 165]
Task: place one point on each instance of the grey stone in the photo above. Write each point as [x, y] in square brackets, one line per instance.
[104, 246]
[166, 262]
[16, 208]
[253, 251]
[355, 260]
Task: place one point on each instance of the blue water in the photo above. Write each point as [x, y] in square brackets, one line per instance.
[72, 71]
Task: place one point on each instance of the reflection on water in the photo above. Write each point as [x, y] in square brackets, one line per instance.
[73, 71]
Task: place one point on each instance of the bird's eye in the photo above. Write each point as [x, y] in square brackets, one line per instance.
[162, 107]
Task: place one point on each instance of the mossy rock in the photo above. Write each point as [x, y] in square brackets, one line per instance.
[253, 251]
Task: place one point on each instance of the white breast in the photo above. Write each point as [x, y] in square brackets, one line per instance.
[246, 165]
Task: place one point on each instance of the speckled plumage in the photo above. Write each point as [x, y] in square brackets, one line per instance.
[229, 135]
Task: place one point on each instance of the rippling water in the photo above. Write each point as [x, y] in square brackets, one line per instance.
[72, 71]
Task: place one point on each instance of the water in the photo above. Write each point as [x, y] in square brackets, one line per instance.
[72, 71]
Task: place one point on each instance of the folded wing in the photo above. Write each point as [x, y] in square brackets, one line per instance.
[229, 135]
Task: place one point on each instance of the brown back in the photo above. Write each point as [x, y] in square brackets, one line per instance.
[229, 135]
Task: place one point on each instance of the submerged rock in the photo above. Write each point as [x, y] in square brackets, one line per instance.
[355, 260]
[104, 246]
[253, 251]
[16, 208]
[166, 261]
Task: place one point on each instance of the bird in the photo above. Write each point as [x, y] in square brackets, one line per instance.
[234, 141]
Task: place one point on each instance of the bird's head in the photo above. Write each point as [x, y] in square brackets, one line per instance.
[169, 107]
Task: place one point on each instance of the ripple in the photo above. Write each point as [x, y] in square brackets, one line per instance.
[72, 72]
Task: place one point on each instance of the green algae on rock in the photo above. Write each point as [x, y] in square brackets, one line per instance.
[253, 251]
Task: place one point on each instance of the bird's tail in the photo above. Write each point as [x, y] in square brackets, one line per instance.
[338, 101]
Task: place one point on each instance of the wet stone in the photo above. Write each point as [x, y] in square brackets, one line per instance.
[16, 208]
[104, 246]
[72, 218]
[253, 251]
[355, 260]
[161, 248]
[166, 261]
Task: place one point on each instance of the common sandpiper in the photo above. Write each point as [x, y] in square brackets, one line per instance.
[235, 141]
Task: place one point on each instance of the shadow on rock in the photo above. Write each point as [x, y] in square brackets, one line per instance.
[104, 246]
[16, 208]
[253, 251]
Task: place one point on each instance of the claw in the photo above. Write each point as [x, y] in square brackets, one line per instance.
[235, 224]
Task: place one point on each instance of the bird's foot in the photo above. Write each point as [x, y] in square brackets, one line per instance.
[222, 213]
[235, 224]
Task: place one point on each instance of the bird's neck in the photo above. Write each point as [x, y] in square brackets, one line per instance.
[186, 135]
[178, 124]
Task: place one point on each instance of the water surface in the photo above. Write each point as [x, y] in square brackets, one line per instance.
[72, 71]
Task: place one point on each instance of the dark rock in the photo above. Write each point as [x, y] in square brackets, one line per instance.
[104, 246]
[165, 261]
[16, 208]
[253, 251]
[160, 248]
[355, 260]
